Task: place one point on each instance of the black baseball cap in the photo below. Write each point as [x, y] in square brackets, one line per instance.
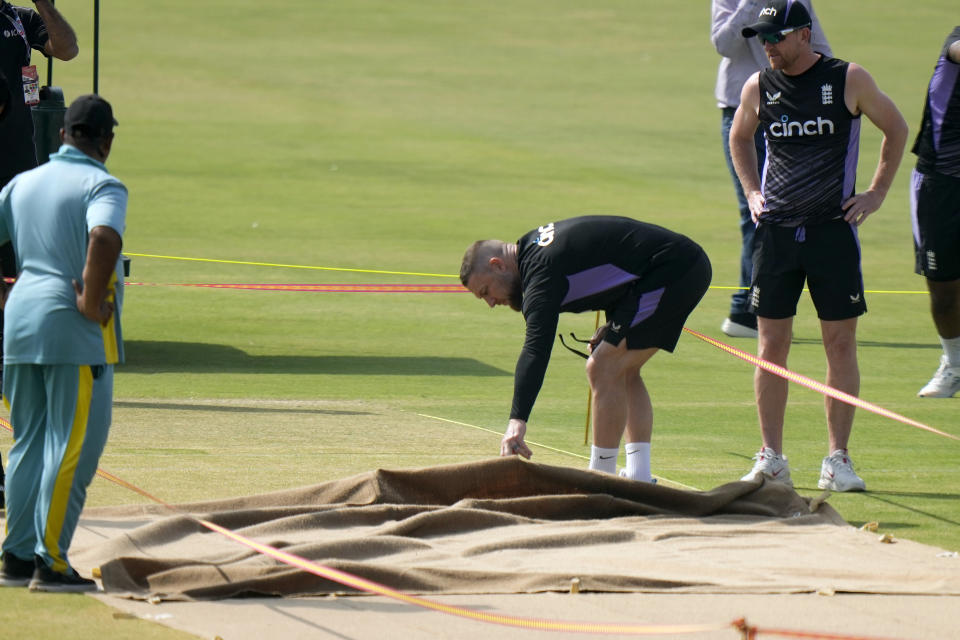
[90, 112]
[778, 15]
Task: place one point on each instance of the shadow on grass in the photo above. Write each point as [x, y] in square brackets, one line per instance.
[878, 495]
[146, 356]
[874, 343]
[882, 496]
[215, 408]
[886, 497]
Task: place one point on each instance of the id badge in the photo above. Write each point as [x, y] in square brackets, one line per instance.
[31, 84]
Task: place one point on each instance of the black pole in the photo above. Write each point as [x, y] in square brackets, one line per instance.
[50, 62]
[96, 46]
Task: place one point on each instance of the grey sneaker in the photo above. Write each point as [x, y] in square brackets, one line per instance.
[49, 581]
[16, 572]
[837, 474]
[771, 465]
[944, 383]
[736, 329]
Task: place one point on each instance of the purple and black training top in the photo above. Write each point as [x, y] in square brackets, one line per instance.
[584, 264]
[938, 143]
[812, 144]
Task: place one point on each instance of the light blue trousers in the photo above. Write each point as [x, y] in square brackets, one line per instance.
[60, 416]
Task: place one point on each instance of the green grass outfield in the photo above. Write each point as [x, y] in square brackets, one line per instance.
[387, 136]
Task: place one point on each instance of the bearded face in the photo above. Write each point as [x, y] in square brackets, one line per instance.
[498, 287]
[515, 292]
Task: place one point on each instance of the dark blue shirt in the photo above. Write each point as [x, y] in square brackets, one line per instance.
[16, 128]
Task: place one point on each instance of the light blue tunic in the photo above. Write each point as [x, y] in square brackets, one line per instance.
[47, 213]
[58, 365]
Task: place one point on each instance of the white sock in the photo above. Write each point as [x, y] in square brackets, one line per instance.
[951, 349]
[638, 461]
[603, 459]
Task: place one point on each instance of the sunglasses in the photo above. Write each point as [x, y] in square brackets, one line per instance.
[778, 36]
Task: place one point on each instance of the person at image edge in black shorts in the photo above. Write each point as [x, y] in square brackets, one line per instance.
[935, 211]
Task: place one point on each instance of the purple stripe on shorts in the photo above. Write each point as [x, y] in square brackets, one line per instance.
[916, 179]
[766, 163]
[647, 305]
[596, 280]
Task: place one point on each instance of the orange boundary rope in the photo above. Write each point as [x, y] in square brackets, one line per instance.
[362, 584]
[369, 586]
[819, 387]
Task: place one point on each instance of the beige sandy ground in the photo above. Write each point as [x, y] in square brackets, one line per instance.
[904, 566]
[901, 617]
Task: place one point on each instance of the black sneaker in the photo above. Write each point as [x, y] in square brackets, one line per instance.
[15, 572]
[47, 580]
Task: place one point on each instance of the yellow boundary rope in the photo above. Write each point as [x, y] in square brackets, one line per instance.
[384, 272]
[294, 266]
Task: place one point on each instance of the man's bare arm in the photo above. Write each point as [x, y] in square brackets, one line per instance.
[62, 41]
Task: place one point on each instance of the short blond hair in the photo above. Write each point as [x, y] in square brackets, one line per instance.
[477, 256]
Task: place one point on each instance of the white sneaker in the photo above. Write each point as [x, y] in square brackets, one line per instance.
[737, 330]
[770, 465]
[944, 383]
[837, 474]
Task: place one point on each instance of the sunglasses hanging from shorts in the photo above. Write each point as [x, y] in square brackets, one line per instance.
[593, 342]
[573, 349]
[778, 36]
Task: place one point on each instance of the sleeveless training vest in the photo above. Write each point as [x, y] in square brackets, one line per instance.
[938, 143]
[812, 144]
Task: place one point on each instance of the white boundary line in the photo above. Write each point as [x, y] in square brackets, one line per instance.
[543, 446]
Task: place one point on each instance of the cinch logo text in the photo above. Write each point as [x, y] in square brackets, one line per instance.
[546, 234]
[788, 128]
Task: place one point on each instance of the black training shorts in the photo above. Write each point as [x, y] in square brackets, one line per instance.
[655, 318]
[935, 214]
[825, 256]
